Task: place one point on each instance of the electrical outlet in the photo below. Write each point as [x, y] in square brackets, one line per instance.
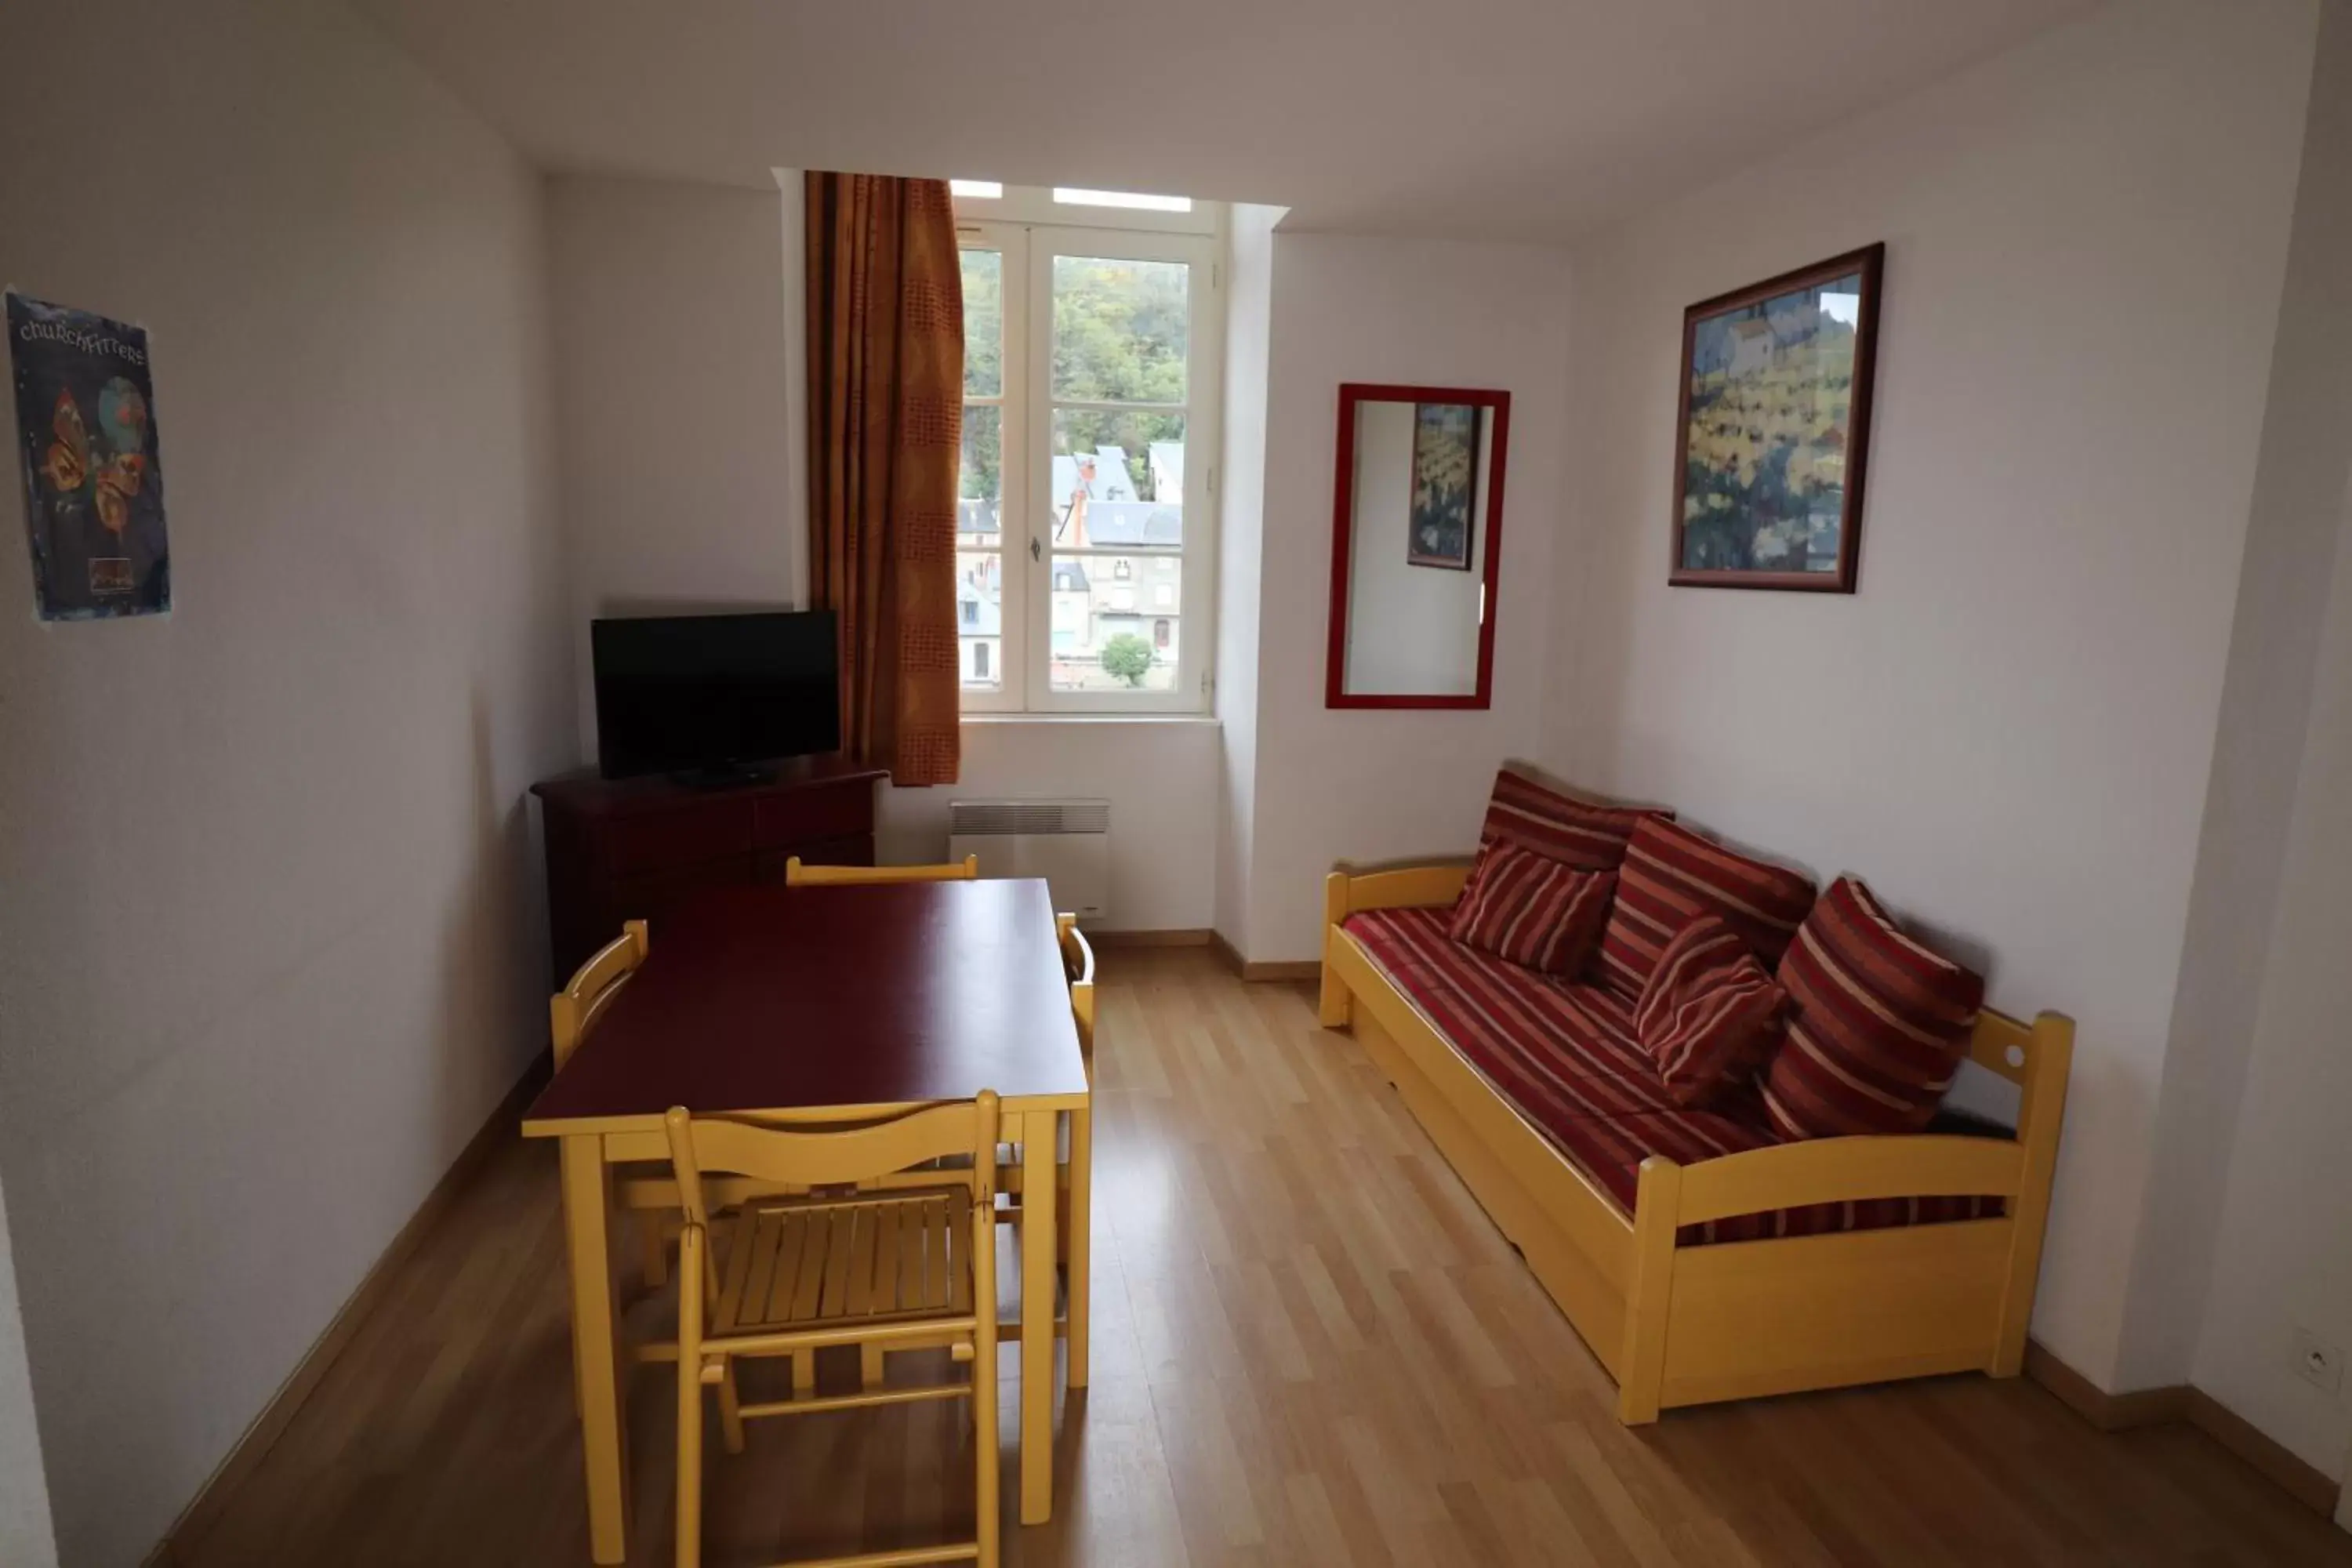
[2317, 1362]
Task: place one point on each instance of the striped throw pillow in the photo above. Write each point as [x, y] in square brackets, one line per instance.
[1878, 1023]
[1557, 827]
[1709, 1014]
[1673, 875]
[1521, 906]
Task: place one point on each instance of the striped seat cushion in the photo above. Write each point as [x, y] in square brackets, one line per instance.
[1564, 1055]
[1673, 875]
[1559, 827]
[1556, 1050]
[1521, 906]
[1878, 1023]
[1709, 1017]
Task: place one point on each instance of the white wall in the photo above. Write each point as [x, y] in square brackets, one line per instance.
[271, 948]
[1413, 631]
[2009, 728]
[2281, 1260]
[671, 325]
[1249, 331]
[2260, 1101]
[26, 1539]
[2266, 704]
[1159, 775]
[1364, 785]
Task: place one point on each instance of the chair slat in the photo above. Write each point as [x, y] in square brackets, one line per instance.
[792, 1248]
[837, 1248]
[956, 1244]
[763, 1226]
[860, 1303]
[883, 1293]
[808, 1289]
[911, 1258]
[740, 1254]
[935, 1253]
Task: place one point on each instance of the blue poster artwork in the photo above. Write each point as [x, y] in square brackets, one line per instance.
[93, 480]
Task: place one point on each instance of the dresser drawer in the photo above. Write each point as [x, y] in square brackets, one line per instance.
[655, 893]
[660, 839]
[808, 816]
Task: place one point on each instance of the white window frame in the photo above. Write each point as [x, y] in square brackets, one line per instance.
[1023, 657]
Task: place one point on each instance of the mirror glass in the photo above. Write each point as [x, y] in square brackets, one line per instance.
[1420, 498]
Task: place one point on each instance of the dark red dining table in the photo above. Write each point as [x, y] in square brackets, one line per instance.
[818, 1003]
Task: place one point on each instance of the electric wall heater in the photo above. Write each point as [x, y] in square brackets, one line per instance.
[1067, 842]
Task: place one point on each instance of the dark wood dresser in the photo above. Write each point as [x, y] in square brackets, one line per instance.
[620, 849]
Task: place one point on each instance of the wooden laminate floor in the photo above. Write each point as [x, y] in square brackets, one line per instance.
[1310, 1348]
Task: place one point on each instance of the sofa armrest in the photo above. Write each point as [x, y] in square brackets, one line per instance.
[1403, 886]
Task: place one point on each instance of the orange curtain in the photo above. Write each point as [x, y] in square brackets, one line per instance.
[885, 429]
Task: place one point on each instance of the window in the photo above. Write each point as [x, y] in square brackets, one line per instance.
[1090, 371]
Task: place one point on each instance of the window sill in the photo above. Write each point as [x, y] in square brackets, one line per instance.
[1057, 719]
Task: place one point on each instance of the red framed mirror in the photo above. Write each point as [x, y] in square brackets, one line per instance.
[1416, 544]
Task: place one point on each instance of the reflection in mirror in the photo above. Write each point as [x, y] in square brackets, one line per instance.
[1419, 503]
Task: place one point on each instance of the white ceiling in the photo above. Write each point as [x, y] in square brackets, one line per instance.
[1529, 118]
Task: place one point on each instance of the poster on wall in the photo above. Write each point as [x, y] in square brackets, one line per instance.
[93, 481]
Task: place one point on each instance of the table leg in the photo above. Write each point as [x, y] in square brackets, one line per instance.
[1080, 1239]
[596, 1347]
[1037, 1270]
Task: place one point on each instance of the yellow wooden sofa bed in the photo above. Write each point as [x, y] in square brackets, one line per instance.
[1688, 1325]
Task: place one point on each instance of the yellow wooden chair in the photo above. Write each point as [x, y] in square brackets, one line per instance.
[1074, 1187]
[1073, 1171]
[901, 1267]
[573, 1011]
[799, 876]
[1078, 968]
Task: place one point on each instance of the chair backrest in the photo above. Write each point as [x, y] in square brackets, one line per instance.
[573, 1011]
[799, 876]
[813, 1156]
[1078, 968]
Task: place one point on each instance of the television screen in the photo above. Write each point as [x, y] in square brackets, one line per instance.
[710, 693]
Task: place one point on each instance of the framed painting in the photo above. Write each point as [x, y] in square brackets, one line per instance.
[1444, 485]
[1773, 429]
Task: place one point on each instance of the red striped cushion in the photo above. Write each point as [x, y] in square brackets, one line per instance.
[1556, 826]
[1518, 905]
[1708, 1014]
[1878, 1023]
[1671, 876]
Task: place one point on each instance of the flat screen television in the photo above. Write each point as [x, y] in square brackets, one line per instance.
[708, 698]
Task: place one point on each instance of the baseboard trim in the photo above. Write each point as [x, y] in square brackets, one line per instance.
[1177, 938]
[1256, 972]
[2107, 1412]
[204, 1510]
[2308, 1485]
